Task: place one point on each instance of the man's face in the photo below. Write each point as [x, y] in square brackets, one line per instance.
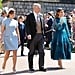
[37, 9]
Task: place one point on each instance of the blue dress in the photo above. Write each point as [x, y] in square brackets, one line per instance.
[60, 46]
[10, 35]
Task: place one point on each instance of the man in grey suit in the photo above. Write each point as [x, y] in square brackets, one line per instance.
[35, 31]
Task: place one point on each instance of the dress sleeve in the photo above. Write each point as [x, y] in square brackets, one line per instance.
[4, 22]
[16, 23]
[67, 30]
[57, 26]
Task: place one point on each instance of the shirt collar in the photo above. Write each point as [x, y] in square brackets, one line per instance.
[35, 15]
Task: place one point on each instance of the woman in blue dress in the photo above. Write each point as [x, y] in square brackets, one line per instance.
[60, 47]
[11, 37]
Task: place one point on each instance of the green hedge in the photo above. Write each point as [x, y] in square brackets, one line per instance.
[0, 4]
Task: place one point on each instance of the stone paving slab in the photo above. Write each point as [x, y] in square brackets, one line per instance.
[51, 65]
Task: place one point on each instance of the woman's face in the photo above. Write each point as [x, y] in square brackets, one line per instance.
[61, 13]
[12, 15]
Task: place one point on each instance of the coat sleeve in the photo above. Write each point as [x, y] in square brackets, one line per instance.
[28, 25]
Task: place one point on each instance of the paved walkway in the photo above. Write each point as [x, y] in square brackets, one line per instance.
[51, 65]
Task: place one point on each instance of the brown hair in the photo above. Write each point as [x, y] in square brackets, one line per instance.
[10, 12]
[57, 13]
[4, 12]
[20, 17]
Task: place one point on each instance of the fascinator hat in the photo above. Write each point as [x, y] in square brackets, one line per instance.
[0, 11]
[11, 9]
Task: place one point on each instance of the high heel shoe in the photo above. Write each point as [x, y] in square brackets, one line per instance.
[14, 70]
[60, 65]
[3, 66]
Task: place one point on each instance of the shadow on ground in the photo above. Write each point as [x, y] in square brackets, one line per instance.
[27, 71]
[54, 68]
[18, 72]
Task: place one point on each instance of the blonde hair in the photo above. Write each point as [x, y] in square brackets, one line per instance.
[37, 4]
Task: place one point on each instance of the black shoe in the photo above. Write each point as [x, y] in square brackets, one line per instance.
[22, 55]
[42, 69]
[31, 69]
[1, 53]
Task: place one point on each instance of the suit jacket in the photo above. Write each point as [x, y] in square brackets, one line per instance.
[49, 23]
[31, 26]
[21, 31]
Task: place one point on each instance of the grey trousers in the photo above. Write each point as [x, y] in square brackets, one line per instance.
[39, 42]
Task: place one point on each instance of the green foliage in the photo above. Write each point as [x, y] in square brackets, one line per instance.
[0, 3]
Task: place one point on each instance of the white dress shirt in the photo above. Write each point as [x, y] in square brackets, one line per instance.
[37, 17]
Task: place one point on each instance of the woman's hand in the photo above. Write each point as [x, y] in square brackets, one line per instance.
[0, 37]
[29, 37]
[71, 40]
[19, 42]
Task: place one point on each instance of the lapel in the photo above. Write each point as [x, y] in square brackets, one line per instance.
[42, 23]
[33, 20]
[33, 17]
[41, 20]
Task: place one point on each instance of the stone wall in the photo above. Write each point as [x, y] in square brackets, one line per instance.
[39, 0]
[24, 7]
